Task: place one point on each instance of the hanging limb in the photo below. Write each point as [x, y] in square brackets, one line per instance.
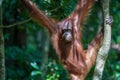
[40, 16]
[94, 46]
[103, 52]
[82, 9]
[92, 50]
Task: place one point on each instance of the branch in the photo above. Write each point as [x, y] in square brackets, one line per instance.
[59, 7]
[15, 24]
[103, 52]
[116, 47]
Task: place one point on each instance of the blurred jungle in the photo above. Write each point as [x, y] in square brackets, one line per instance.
[29, 54]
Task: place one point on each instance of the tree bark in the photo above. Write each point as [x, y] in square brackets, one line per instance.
[103, 52]
[2, 56]
[43, 42]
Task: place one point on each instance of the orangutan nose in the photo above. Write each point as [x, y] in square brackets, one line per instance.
[67, 36]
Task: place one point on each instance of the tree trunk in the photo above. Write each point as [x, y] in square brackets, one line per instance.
[2, 56]
[45, 50]
[43, 41]
[103, 52]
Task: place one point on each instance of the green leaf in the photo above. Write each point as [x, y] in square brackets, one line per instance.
[34, 65]
[33, 73]
[118, 39]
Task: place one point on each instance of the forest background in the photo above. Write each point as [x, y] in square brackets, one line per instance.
[29, 54]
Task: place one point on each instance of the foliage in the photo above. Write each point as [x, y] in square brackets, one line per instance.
[24, 62]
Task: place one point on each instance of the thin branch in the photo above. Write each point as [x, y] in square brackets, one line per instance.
[59, 7]
[103, 52]
[55, 9]
[15, 24]
[116, 47]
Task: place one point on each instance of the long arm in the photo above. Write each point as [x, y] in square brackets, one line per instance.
[93, 49]
[95, 45]
[82, 9]
[39, 15]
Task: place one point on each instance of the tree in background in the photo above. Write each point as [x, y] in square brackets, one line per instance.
[2, 55]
